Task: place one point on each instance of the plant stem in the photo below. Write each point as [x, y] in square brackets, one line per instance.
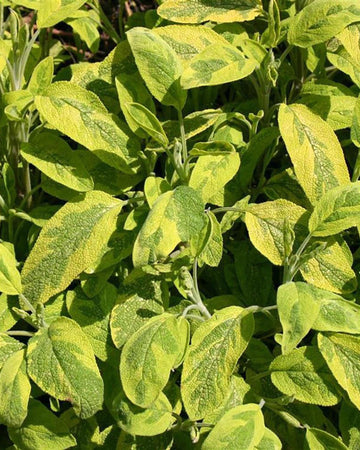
[183, 137]
[290, 272]
[196, 298]
[27, 304]
[225, 209]
[31, 192]
[110, 30]
[20, 333]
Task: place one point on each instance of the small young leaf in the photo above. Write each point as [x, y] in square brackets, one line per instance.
[342, 354]
[210, 361]
[7, 316]
[158, 65]
[146, 120]
[131, 88]
[85, 24]
[304, 374]
[42, 76]
[211, 245]
[241, 427]
[336, 211]
[149, 355]
[66, 353]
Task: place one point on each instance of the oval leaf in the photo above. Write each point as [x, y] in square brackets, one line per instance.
[304, 375]
[79, 114]
[298, 309]
[10, 280]
[265, 224]
[342, 354]
[195, 11]
[14, 390]
[217, 64]
[149, 355]
[66, 353]
[42, 429]
[210, 361]
[54, 157]
[153, 420]
[321, 20]
[241, 428]
[68, 244]
[158, 65]
[211, 173]
[176, 216]
[314, 150]
[336, 211]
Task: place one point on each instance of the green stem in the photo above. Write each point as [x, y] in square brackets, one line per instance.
[258, 376]
[110, 30]
[26, 197]
[286, 52]
[225, 209]
[1, 21]
[183, 137]
[20, 333]
[27, 184]
[27, 304]
[196, 298]
[11, 228]
[290, 272]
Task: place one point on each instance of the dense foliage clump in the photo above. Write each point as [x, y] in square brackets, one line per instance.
[180, 218]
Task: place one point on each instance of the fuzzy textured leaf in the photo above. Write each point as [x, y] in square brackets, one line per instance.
[176, 216]
[197, 11]
[304, 374]
[314, 150]
[149, 355]
[342, 354]
[60, 358]
[79, 114]
[210, 361]
[241, 428]
[68, 244]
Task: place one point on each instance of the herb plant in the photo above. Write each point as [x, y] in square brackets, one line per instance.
[180, 218]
